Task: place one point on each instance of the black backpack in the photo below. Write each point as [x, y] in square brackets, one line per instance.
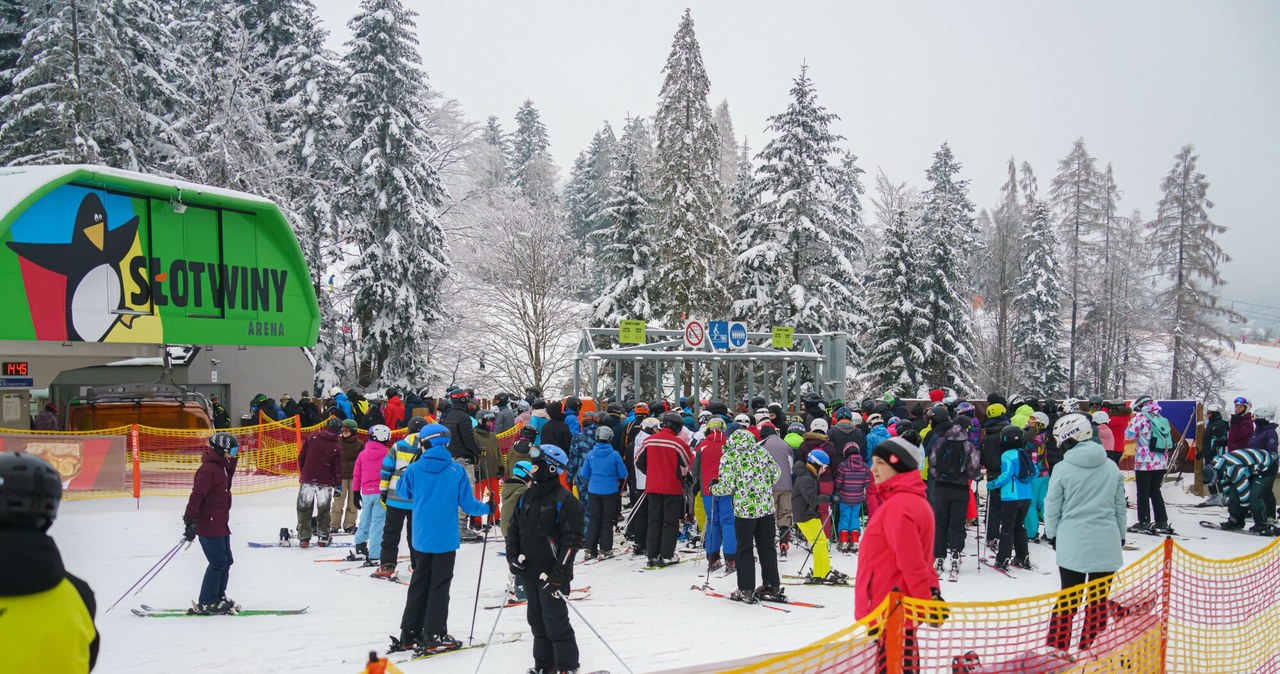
[951, 461]
[1026, 466]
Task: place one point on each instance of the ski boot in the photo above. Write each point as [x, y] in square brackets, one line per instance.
[384, 571]
[1163, 529]
[226, 607]
[730, 567]
[1002, 565]
[714, 564]
[304, 542]
[966, 664]
[1022, 562]
[937, 565]
[835, 577]
[361, 553]
[747, 597]
[437, 643]
[953, 573]
[285, 538]
[408, 641]
[589, 555]
[854, 536]
[606, 554]
[202, 609]
[349, 530]
[770, 593]
[1264, 529]
[1232, 525]
[322, 541]
[1140, 528]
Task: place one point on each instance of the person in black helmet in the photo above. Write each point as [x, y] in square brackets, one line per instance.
[46, 614]
[208, 515]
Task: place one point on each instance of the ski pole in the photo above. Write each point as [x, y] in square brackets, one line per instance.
[821, 531]
[160, 564]
[153, 576]
[492, 632]
[476, 606]
[977, 503]
[593, 631]
[706, 542]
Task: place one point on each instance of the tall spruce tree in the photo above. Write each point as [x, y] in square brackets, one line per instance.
[13, 25]
[893, 346]
[626, 238]
[687, 169]
[396, 194]
[531, 168]
[1037, 328]
[942, 287]
[1000, 268]
[1183, 245]
[496, 149]
[1075, 196]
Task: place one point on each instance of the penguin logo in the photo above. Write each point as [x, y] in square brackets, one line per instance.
[91, 262]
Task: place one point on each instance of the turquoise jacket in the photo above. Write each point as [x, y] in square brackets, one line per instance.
[1010, 488]
[1085, 510]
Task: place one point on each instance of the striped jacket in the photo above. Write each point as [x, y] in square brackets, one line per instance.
[1237, 468]
[397, 460]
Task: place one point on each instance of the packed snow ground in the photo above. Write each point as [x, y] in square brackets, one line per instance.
[1260, 383]
[652, 619]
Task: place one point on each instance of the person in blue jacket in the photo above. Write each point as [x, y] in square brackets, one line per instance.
[437, 486]
[1014, 484]
[340, 399]
[604, 474]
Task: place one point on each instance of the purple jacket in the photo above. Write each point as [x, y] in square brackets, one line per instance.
[210, 501]
[852, 478]
[1240, 431]
[320, 461]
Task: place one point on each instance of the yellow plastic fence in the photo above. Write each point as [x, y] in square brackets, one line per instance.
[1170, 611]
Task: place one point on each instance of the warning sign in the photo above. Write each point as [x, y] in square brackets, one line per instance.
[695, 333]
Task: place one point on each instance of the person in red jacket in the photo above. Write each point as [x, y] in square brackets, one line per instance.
[1242, 426]
[393, 411]
[208, 515]
[897, 547]
[665, 460]
[320, 478]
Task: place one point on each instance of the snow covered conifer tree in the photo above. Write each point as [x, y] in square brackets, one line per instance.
[893, 346]
[1185, 253]
[729, 157]
[403, 255]
[997, 272]
[12, 28]
[531, 168]
[689, 201]
[1037, 351]
[497, 151]
[941, 288]
[588, 185]
[625, 235]
[1075, 195]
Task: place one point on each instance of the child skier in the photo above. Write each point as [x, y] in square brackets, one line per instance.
[805, 497]
[1016, 473]
[852, 479]
[604, 475]
[365, 479]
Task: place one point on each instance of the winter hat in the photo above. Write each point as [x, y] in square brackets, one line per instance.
[851, 448]
[965, 408]
[539, 404]
[898, 453]
[995, 410]
[993, 398]
[936, 395]
[350, 423]
[819, 426]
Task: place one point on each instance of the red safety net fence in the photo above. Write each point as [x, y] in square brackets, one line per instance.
[141, 461]
[1170, 611]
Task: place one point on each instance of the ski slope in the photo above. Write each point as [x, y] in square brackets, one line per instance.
[1259, 382]
[652, 619]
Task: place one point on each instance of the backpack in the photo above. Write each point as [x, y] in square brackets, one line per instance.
[951, 461]
[1026, 466]
[1161, 434]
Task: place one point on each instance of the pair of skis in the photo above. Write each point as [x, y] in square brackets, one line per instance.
[152, 612]
[579, 593]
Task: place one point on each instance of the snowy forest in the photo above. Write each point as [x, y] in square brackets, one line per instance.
[450, 249]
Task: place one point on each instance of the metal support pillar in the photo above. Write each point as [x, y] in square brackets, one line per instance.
[799, 383]
[595, 381]
[764, 381]
[661, 392]
[577, 377]
[617, 381]
[678, 375]
[751, 385]
[733, 399]
[696, 404]
[782, 389]
[715, 380]
[635, 379]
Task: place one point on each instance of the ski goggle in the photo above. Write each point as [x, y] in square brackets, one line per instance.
[235, 451]
[537, 453]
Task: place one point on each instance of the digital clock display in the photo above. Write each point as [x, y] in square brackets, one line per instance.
[14, 369]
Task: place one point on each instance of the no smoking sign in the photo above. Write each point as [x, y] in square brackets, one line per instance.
[694, 334]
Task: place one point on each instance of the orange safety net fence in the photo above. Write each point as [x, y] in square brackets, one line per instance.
[144, 461]
[1170, 611]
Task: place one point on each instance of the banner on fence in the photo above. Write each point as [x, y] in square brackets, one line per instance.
[86, 463]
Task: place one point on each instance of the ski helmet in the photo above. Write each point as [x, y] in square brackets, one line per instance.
[335, 391]
[604, 434]
[1015, 400]
[642, 408]
[333, 424]
[486, 415]
[1041, 418]
[844, 413]
[416, 424]
[819, 426]
[552, 455]
[528, 432]
[1101, 418]
[965, 408]
[819, 457]
[1248, 405]
[522, 469]
[433, 435]
[673, 421]
[1072, 427]
[1264, 413]
[223, 443]
[380, 433]
[30, 491]
[716, 424]
[1011, 436]
[1142, 401]
[650, 424]
[1071, 406]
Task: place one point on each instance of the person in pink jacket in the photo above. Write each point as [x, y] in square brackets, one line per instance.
[365, 479]
[1106, 437]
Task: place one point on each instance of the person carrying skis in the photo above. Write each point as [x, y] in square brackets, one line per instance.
[853, 486]
[208, 515]
[805, 497]
[320, 479]
[665, 460]
[604, 475]
[365, 479]
[544, 534]
[47, 614]
[748, 473]
[401, 455]
[1017, 471]
[437, 486]
[953, 463]
[719, 509]
[1085, 511]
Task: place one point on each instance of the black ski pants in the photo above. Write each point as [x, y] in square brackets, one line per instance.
[397, 519]
[555, 648]
[950, 505]
[1149, 496]
[665, 511]
[1268, 489]
[426, 611]
[604, 514]
[758, 532]
[1013, 535]
[993, 515]
[1095, 612]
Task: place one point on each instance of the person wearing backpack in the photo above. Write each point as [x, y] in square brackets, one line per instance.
[1017, 472]
[953, 463]
[1153, 440]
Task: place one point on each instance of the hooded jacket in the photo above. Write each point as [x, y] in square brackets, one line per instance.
[748, 473]
[344, 404]
[852, 480]
[503, 418]
[1216, 430]
[401, 455]
[437, 487]
[706, 465]
[1264, 437]
[490, 463]
[805, 495]
[781, 453]
[897, 545]
[1011, 488]
[991, 451]
[878, 434]
[602, 469]
[320, 461]
[462, 435]
[1085, 510]
[583, 442]
[366, 476]
[352, 445]
[844, 432]
[556, 431]
[1240, 430]
[1139, 431]
[210, 501]
[393, 412]
[46, 614]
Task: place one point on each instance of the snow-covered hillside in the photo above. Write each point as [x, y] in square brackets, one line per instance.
[1259, 381]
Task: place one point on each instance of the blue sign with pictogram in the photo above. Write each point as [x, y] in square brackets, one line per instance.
[718, 335]
[737, 336]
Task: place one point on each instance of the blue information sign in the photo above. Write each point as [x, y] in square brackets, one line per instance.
[718, 334]
[737, 336]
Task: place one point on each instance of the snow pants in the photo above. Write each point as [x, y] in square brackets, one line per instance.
[343, 514]
[850, 518]
[1035, 514]
[720, 530]
[604, 513]
[217, 549]
[314, 499]
[555, 648]
[373, 515]
[950, 505]
[396, 520]
[426, 610]
[1013, 536]
[993, 515]
[812, 530]
[665, 511]
[782, 508]
[758, 532]
[1095, 612]
[1149, 496]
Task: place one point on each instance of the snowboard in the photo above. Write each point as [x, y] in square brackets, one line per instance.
[1214, 525]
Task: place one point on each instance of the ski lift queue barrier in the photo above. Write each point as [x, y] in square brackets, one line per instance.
[139, 460]
[1170, 611]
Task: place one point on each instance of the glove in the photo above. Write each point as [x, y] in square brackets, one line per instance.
[359, 501]
[189, 530]
[553, 583]
[834, 499]
[493, 507]
[337, 491]
[517, 565]
[1053, 542]
[939, 615]
[382, 498]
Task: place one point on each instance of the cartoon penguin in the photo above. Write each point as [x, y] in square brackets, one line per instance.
[91, 263]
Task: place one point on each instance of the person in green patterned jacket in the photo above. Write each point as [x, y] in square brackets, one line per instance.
[748, 473]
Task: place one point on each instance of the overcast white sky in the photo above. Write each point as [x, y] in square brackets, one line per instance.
[1136, 79]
